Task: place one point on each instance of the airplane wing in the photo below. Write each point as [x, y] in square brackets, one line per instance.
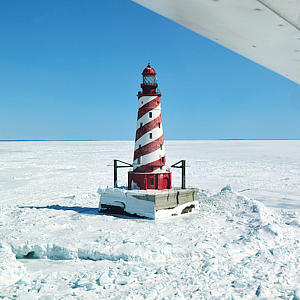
[265, 31]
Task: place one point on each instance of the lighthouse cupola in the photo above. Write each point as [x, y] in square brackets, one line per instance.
[149, 84]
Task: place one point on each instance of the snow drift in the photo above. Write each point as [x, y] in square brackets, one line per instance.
[234, 247]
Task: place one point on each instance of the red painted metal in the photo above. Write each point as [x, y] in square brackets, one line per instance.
[149, 71]
[149, 181]
[148, 89]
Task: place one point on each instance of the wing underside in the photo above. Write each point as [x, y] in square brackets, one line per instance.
[265, 31]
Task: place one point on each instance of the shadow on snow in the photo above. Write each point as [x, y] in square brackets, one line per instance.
[86, 211]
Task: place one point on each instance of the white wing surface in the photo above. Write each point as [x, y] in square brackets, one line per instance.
[265, 31]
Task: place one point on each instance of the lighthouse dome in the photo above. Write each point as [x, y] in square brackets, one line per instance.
[149, 71]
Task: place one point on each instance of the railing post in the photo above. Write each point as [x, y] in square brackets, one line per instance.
[115, 173]
[183, 174]
[116, 170]
[182, 166]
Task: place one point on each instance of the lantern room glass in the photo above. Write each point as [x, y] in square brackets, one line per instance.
[149, 79]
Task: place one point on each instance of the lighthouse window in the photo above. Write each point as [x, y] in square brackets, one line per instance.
[150, 114]
[139, 161]
[160, 147]
[151, 181]
[149, 79]
[163, 160]
[158, 125]
[141, 125]
[150, 135]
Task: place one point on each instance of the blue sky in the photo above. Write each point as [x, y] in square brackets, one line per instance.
[72, 69]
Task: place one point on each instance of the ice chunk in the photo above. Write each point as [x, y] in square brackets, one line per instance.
[85, 283]
[10, 269]
[104, 279]
[227, 188]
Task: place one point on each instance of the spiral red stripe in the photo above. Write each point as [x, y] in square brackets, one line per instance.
[152, 166]
[147, 127]
[149, 160]
[148, 107]
[148, 148]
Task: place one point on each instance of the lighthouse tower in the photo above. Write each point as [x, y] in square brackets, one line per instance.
[149, 161]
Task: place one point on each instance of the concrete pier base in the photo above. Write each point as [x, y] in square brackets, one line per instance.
[152, 204]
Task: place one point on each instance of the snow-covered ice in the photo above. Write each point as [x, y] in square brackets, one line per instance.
[244, 242]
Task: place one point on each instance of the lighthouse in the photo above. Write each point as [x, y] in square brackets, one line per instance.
[149, 193]
[149, 160]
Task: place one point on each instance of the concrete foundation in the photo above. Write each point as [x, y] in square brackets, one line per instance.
[149, 203]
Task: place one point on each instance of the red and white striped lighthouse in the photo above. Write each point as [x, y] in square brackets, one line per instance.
[149, 170]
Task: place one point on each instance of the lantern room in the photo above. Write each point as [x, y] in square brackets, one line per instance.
[149, 84]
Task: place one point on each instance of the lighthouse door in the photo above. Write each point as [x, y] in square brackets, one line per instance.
[166, 183]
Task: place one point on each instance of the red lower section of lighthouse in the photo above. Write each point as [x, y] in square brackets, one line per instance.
[149, 181]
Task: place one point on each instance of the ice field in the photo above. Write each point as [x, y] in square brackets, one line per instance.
[244, 242]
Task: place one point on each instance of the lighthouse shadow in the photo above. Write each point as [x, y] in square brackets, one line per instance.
[87, 211]
[119, 212]
[78, 209]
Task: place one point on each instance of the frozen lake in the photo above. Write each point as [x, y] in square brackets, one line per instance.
[244, 243]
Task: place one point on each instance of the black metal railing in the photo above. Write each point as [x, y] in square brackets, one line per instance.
[179, 165]
[182, 167]
[116, 167]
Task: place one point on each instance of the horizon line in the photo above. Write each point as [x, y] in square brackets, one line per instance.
[96, 140]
